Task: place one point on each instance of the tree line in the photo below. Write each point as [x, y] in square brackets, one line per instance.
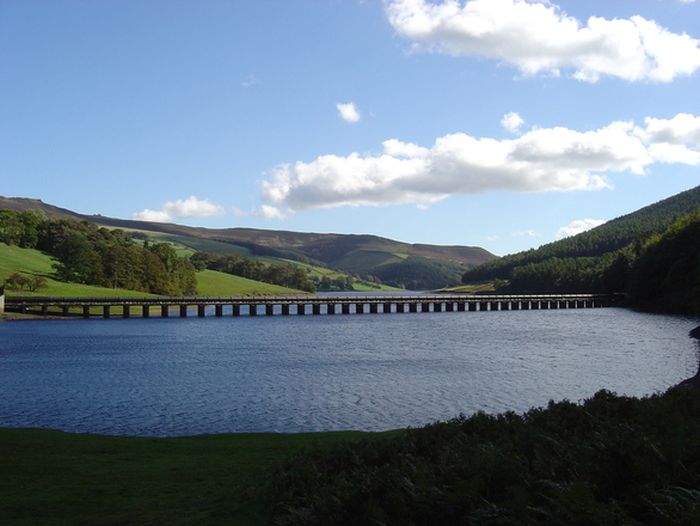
[660, 272]
[89, 254]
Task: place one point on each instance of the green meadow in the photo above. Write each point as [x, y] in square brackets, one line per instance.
[209, 283]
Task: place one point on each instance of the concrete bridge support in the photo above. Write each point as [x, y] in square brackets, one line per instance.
[218, 311]
[472, 306]
[425, 307]
[330, 308]
[86, 311]
[412, 307]
[450, 306]
[373, 308]
[316, 309]
[285, 309]
[183, 311]
[360, 308]
[164, 311]
[235, 310]
[387, 308]
[346, 308]
[461, 306]
[145, 311]
[301, 309]
[105, 312]
[483, 306]
[201, 311]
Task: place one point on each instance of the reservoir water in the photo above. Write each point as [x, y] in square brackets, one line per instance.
[287, 374]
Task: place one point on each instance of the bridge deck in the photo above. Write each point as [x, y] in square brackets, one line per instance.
[389, 303]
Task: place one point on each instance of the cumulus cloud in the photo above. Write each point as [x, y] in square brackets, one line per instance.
[512, 122]
[577, 226]
[348, 112]
[538, 37]
[269, 212]
[190, 207]
[540, 160]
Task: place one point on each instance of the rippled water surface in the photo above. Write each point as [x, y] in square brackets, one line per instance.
[372, 372]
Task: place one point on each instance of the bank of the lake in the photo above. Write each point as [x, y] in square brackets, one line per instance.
[613, 459]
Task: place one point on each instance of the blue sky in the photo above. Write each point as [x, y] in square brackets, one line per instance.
[221, 114]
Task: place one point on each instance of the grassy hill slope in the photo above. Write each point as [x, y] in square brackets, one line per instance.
[209, 282]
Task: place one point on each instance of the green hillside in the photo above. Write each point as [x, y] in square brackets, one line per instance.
[32, 262]
[212, 283]
[605, 239]
[367, 256]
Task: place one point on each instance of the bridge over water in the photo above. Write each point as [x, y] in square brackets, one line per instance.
[297, 305]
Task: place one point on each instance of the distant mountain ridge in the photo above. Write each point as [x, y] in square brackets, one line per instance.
[411, 265]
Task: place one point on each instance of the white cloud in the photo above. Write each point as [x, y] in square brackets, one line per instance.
[512, 122]
[540, 160]
[268, 212]
[526, 233]
[238, 212]
[538, 37]
[190, 207]
[250, 80]
[577, 226]
[348, 112]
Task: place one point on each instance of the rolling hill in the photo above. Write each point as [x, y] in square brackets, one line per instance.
[393, 262]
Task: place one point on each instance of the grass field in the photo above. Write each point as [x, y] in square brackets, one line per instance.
[51, 477]
[209, 282]
[33, 262]
[213, 283]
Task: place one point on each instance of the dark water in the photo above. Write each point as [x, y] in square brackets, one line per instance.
[372, 372]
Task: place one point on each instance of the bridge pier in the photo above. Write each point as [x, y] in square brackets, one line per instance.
[145, 311]
[235, 310]
[373, 308]
[461, 306]
[316, 309]
[252, 309]
[218, 311]
[330, 308]
[401, 307]
[483, 306]
[360, 308]
[412, 307]
[301, 309]
[183, 311]
[164, 311]
[387, 308]
[201, 311]
[105, 312]
[285, 309]
[425, 307]
[450, 306]
[346, 308]
[86, 311]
